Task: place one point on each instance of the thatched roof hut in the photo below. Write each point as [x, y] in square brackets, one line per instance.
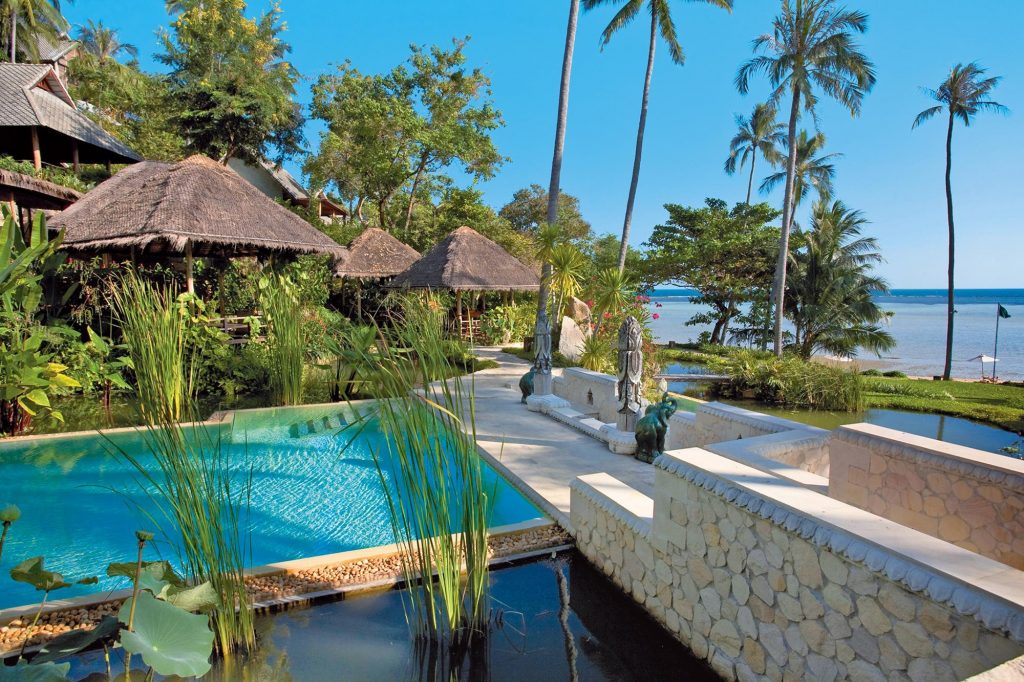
[26, 191]
[196, 207]
[466, 260]
[375, 254]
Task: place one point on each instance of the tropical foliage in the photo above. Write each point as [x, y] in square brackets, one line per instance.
[813, 169]
[760, 133]
[25, 23]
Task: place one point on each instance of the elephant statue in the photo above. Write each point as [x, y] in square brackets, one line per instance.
[526, 384]
[652, 428]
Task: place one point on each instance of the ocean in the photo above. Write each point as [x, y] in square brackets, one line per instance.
[918, 324]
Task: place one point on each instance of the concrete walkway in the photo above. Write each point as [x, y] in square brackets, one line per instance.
[539, 455]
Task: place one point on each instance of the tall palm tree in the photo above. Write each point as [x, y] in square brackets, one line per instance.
[812, 172]
[830, 299]
[661, 22]
[554, 186]
[760, 133]
[963, 93]
[810, 48]
[102, 42]
[36, 18]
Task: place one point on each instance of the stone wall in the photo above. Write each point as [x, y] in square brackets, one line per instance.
[767, 579]
[590, 392]
[970, 498]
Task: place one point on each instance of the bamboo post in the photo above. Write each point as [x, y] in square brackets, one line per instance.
[458, 311]
[74, 157]
[37, 156]
[189, 283]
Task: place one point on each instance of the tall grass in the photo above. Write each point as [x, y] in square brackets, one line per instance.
[438, 501]
[285, 339]
[192, 484]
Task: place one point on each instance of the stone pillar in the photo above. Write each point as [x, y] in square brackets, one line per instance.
[542, 384]
[631, 365]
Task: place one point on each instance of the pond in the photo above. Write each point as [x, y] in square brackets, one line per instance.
[554, 619]
[81, 500]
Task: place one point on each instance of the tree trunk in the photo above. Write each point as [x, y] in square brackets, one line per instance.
[14, 35]
[950, 311]
[554, 186]
[412, 194]
[750, 182]
[624, 246]
[779, 286]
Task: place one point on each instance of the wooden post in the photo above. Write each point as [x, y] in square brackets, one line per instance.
[110, 168]
[458, 311]
[37, 157]
[359, 300]
[74, 157]
[189, 283]
[9, 200]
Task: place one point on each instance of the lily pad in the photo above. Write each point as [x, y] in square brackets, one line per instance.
[43, 672]
[31, 571]
[72, 642]
[170, 640]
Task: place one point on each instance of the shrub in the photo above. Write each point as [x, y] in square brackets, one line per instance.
[507, 323]
[894, 374]
[793, 382]
[871, 373]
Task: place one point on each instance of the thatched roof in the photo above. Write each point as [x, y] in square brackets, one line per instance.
[468, 261]
[32, 96]
[30, 192]
[375, 254]
[159, 207]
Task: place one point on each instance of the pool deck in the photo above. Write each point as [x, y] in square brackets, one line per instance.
[540, 455]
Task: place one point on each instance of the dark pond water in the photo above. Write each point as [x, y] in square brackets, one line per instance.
[605, 636]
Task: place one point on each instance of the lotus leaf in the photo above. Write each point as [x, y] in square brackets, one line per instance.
[72, 642]
[31, 571]
[43, 672]
[170, 640]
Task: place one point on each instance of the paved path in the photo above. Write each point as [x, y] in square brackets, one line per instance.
[541, 455]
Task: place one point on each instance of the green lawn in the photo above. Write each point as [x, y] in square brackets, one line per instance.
[999, 404]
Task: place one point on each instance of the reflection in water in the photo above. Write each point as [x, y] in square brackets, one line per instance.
[551, 620]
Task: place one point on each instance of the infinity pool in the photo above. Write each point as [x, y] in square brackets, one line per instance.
[81, 501]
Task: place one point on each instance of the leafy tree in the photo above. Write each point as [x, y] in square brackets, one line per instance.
[527, 212]
[401, 131]
[724, 254]
[810, 48]
[811, 171]
[229, 79]
[963, 94]
[603, 251]
[831, 285]
[103, 42]
[661, 22]
[760, 133]
[24, 22]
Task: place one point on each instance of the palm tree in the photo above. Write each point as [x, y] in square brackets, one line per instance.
[761, 133]
[554, 186]
[568, 267]
[830, 297]
[963, 94]
[811, 47]
[37, 18]
[612, 290]
[102, 42]
[661, 21]
[811, 171]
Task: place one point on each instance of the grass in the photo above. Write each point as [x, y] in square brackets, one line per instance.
[998, 404]
[285, 339]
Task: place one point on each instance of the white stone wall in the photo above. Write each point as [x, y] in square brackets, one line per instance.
[970, 498]
[768, 589]
[590, 392]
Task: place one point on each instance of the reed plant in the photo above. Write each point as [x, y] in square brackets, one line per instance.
[438, 500]
[192, 484]
[286, 339]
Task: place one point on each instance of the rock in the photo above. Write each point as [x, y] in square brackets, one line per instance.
[753, 654]
[579, 311]
[913, 638]
[871, 616]
[930, 670]
[774, 643]
[571, 340]
[724, 636]
[740, 589]
[805, 564]
[896, 601]
[822, 669]
[862, 671]
[834, 568]
[837, 598]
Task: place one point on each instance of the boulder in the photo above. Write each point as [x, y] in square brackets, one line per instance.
[579, 311]
[570, 343]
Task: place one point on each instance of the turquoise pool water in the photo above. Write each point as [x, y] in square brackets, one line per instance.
[81, 501]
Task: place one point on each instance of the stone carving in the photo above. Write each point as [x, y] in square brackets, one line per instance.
[652, 428]
[542, 355]
[631, 365]
[526, 384]
[571, 340]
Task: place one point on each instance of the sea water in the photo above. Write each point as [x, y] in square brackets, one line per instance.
[918, 323]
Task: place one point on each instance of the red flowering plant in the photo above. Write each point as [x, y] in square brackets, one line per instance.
[637, 306]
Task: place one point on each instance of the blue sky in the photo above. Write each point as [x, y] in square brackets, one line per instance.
[894, 175]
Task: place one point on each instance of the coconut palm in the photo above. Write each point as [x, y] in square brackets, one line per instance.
[102, 42]
[26, 21]
[811, 48]
[964, 93]
[830, 289]
[760, 133]
[554, 186]
[661, 22]
[812, 171]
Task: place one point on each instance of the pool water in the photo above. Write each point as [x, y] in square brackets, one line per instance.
[606, 636]
[81, 501]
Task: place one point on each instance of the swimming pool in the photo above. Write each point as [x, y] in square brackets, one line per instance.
[81, 501]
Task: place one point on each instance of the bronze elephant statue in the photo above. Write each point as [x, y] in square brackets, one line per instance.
[652, 428]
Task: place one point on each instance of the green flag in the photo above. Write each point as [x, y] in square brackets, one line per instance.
[1002, 311]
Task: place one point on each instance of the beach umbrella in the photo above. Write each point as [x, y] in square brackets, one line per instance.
[983, 359]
